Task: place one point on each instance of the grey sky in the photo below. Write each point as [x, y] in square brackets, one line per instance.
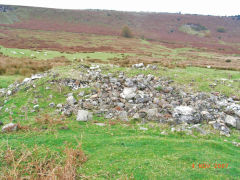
[206, 7]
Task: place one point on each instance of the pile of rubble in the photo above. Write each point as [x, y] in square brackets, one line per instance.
[144, 97]
[147, 98]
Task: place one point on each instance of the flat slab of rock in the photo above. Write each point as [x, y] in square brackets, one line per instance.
[84, 116]
[184, 110]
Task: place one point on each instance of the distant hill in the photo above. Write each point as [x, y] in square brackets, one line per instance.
[211, 32]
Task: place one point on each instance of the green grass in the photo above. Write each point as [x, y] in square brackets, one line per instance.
[5, 81]
[119, 152]
[45, 54]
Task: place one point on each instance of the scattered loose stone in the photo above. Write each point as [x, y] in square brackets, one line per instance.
[36, 107]
[9, 127]
[71, 100]
[52, 105]
[100, 124]
[164, 133]
[236, 144]
[59, 106]
[143, 128]
[140, 65]
[123, 116]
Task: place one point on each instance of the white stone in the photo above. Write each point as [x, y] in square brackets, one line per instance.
[183, 110]
[26, 80]
[128, 93]
[59, 106]
[94, 67]
[36, 76]
[9, 92]
[36, 106]
[9, 127]
[71, 100]
[140, 65]
[230, 121]
[143, 128]
[100, 124]
[84, 115]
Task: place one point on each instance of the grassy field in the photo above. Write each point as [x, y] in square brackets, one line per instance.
[118, 150]
[5, 81]
[45, 54]
[123, 151]
[47, 144]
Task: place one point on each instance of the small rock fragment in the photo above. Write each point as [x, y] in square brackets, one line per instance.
[9, 127]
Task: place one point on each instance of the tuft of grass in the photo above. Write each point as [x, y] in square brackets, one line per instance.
[33, 164]
[159, 88]
[50, 121]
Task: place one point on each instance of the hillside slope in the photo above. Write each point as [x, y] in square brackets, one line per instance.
[175, 30]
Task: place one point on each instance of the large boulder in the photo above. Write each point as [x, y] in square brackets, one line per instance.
[84, 115]
[183, 114]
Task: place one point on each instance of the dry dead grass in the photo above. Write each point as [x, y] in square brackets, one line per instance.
[12, 66]
[129, 61]
[31, 164]
[49, 120]
[217, 63]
